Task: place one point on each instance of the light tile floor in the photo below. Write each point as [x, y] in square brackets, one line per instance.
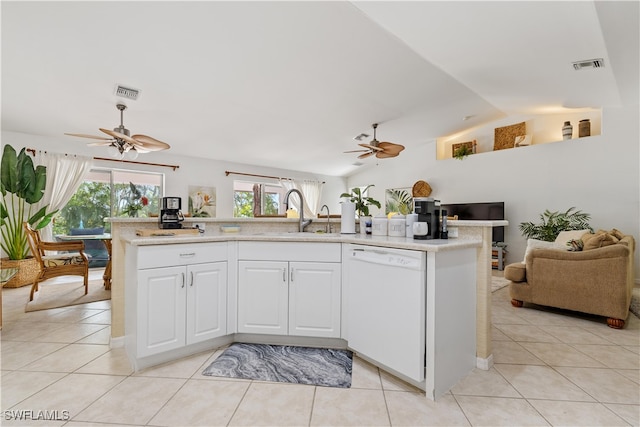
[551, 368]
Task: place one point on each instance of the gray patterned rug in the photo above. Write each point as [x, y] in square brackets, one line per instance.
[301, 365]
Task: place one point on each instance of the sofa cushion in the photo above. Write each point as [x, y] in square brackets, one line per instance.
[600, 239]
[564, 237]
[617, 234]
[541, 244]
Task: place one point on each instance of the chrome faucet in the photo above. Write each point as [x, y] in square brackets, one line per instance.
[303, 223]
[328, 228]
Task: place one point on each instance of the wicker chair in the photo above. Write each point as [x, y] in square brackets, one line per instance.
[73, 263]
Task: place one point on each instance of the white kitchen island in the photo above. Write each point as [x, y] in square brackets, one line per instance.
[449, 304]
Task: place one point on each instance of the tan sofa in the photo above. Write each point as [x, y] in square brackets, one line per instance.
[597, 280]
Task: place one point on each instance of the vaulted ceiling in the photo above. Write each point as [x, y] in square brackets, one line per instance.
[289, 84]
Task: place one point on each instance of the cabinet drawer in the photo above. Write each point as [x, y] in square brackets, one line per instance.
[299, 251]
[181, 254]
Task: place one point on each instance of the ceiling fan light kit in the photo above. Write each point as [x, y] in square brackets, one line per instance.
[121, 144]
[382, 150]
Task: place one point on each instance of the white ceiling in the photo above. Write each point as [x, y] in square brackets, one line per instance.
[289, 84]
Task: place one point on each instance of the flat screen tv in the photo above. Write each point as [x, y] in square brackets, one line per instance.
[479, 211]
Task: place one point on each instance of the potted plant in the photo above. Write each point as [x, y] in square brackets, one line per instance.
[362, 202]
[462, 152]
[22, 186]
[552, 223]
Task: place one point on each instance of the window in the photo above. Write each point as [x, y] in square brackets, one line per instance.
[252, 199]
[109, 193]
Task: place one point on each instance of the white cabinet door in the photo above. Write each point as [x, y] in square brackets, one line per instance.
[314, 299]
[206, 301]
[262, 297]
[161, 310]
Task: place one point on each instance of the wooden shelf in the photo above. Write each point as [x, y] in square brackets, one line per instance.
[543, 128]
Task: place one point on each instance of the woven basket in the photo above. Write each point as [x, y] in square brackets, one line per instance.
[28, 270]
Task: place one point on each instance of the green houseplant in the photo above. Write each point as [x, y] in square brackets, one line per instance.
[552, 223]
[22, 186]
[462, 152]
[362, 203]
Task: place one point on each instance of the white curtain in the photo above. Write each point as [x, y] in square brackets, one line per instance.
[65, 173]
[311, 191]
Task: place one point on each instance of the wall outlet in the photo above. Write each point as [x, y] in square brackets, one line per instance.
[453, 232]
[200, 226]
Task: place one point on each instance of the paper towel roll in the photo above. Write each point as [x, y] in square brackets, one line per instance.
[348, 218]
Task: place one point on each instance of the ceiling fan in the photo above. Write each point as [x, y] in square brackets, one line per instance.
[382, 150]
[121, 143]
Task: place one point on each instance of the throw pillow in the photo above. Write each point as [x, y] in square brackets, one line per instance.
[617, 234]
[564, 237]
[598, 240]
[575, 245]
[538, 244]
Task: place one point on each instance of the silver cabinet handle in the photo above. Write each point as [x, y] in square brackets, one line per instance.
[191, 283]
[187, 254]
[291, 275]
[284, 274]
[182, 280]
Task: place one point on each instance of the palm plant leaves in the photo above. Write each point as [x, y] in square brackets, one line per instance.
[552, 223]
[22, 186]
[399, 201]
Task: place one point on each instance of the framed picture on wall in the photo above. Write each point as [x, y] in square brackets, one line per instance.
[398, 200]
[202, 201]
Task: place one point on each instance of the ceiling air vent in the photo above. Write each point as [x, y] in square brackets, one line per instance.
[127, 92]
[589, 63]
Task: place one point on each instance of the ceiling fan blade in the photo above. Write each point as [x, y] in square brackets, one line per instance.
[141, 149]
[371, 147]
[365, 155]
[356, 151]
[100, 144]
[383, 155]
[119, 135]
[151, 144]
[391, 148]
[84, 135]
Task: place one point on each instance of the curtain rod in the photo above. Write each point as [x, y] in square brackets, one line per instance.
[174, 167]
[32, 151]
[227, 173]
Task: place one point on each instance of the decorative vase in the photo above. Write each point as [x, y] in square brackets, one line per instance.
[567, 130]
[584, 128]
[28, 271]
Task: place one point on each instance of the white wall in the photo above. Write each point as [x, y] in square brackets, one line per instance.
[598, 175]
[192, 170]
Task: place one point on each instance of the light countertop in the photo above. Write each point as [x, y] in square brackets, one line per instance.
[434, 245]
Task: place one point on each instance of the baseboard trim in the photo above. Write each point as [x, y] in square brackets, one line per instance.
[116, 342]
[484, 364]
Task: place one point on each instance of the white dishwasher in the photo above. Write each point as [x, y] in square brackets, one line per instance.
[385, 306]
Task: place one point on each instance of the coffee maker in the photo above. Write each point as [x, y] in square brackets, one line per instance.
[428, 210]
[170, 215]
